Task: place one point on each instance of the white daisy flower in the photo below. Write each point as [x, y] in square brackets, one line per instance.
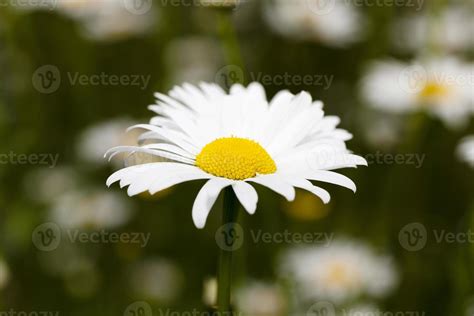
[96, 209]
[260, 299]
[107, 19]
[157, 279]
[442, 87]
[116, 22]
[452, 30]
[235, 139]
[4, 274]
[336, 24]
[340, 272]
[465, 150]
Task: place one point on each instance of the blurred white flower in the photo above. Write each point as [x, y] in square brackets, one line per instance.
[157, 279]
[46, 184]
[337, 23]
[452, 30]
[192, 59]
[97, 209]
[97, 139]
[342, 271]
[4, 274]
[209, 295]
[470, 310]
[442, 87]
[260, 299]
[102, 19]
[465, 150]
[117, 19]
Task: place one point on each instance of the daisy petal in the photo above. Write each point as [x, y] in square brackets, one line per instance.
[306, 185]
[246, 195]
[331, 177]
[206, 198]
[277, 184]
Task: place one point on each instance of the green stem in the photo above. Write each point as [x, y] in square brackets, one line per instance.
[229, 218]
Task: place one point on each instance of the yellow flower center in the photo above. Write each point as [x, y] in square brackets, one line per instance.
[235, 158]
[434, 91]
[339, 274]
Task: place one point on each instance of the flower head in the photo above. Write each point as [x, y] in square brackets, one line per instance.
[104, 19]
[337, 23]
[95, 209]
[442, 87]
[340, 272]
[452, 30]
[235, 139]
[260, 299]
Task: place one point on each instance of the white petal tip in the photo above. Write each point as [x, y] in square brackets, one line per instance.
[199, 225]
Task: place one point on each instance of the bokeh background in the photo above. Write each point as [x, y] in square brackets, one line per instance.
[76, 74]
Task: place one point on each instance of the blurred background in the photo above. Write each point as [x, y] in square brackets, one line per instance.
[76, 73]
